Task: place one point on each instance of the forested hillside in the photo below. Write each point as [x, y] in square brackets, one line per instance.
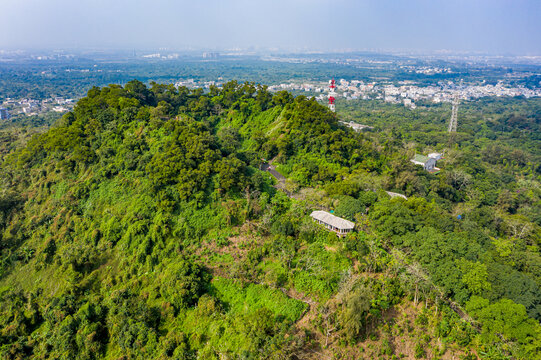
[140, 226]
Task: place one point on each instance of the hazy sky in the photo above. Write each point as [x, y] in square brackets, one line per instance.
[494, 26]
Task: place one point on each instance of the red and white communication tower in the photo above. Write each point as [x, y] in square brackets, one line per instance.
[332, 95]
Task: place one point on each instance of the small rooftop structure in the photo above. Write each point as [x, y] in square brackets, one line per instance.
[393, 195]
[427, 162]
[357, 127]
[419, 159]
[333, 223]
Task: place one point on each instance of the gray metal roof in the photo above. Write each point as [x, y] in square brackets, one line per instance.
[421, 159]
[393, 195]
[330, 219]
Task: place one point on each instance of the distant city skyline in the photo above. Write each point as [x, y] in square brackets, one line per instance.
[423, 26]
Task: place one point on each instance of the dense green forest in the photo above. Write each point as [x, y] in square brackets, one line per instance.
[140, 226]
[42, 79]
[72, 79]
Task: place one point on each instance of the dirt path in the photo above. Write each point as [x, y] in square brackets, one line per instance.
[309, 314]
[314, 349]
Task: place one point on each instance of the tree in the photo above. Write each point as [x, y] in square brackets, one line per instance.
[138, 90]
[508, 319]
[355, 311]
[229, 139]
[182, 284]
[348, 207]
[474, 275]
[230, 173]
[416, 279]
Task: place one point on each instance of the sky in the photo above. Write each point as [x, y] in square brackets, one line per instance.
[507, 27]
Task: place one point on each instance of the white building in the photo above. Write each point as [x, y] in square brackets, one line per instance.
[333, 223]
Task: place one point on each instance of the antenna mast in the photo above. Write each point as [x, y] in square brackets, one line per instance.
[332, 95]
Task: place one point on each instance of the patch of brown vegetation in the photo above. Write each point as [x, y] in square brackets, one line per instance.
[396, 333]
[237, 247]
[330, 248]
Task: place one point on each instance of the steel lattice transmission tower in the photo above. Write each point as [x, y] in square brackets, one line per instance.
[454, 115]
[332, 95]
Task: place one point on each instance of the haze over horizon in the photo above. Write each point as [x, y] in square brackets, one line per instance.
[496, 26]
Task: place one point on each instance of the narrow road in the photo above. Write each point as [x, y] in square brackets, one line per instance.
[281, 179]
[272, 170]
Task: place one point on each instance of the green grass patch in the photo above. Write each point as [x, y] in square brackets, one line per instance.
[252, 297]
[319, 271]
[220, 259]
[275, 273]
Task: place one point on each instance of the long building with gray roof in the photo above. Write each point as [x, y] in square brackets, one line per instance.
[334, 223]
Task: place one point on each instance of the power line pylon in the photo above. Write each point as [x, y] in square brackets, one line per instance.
[454, 115]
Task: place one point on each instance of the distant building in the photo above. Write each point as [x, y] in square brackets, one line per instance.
[211, 55]
[333, 223]
[59, 109]
[30, 109]
[427, 162]
[409, 103]
[4, 114]
[392, 99]
[357, 127]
